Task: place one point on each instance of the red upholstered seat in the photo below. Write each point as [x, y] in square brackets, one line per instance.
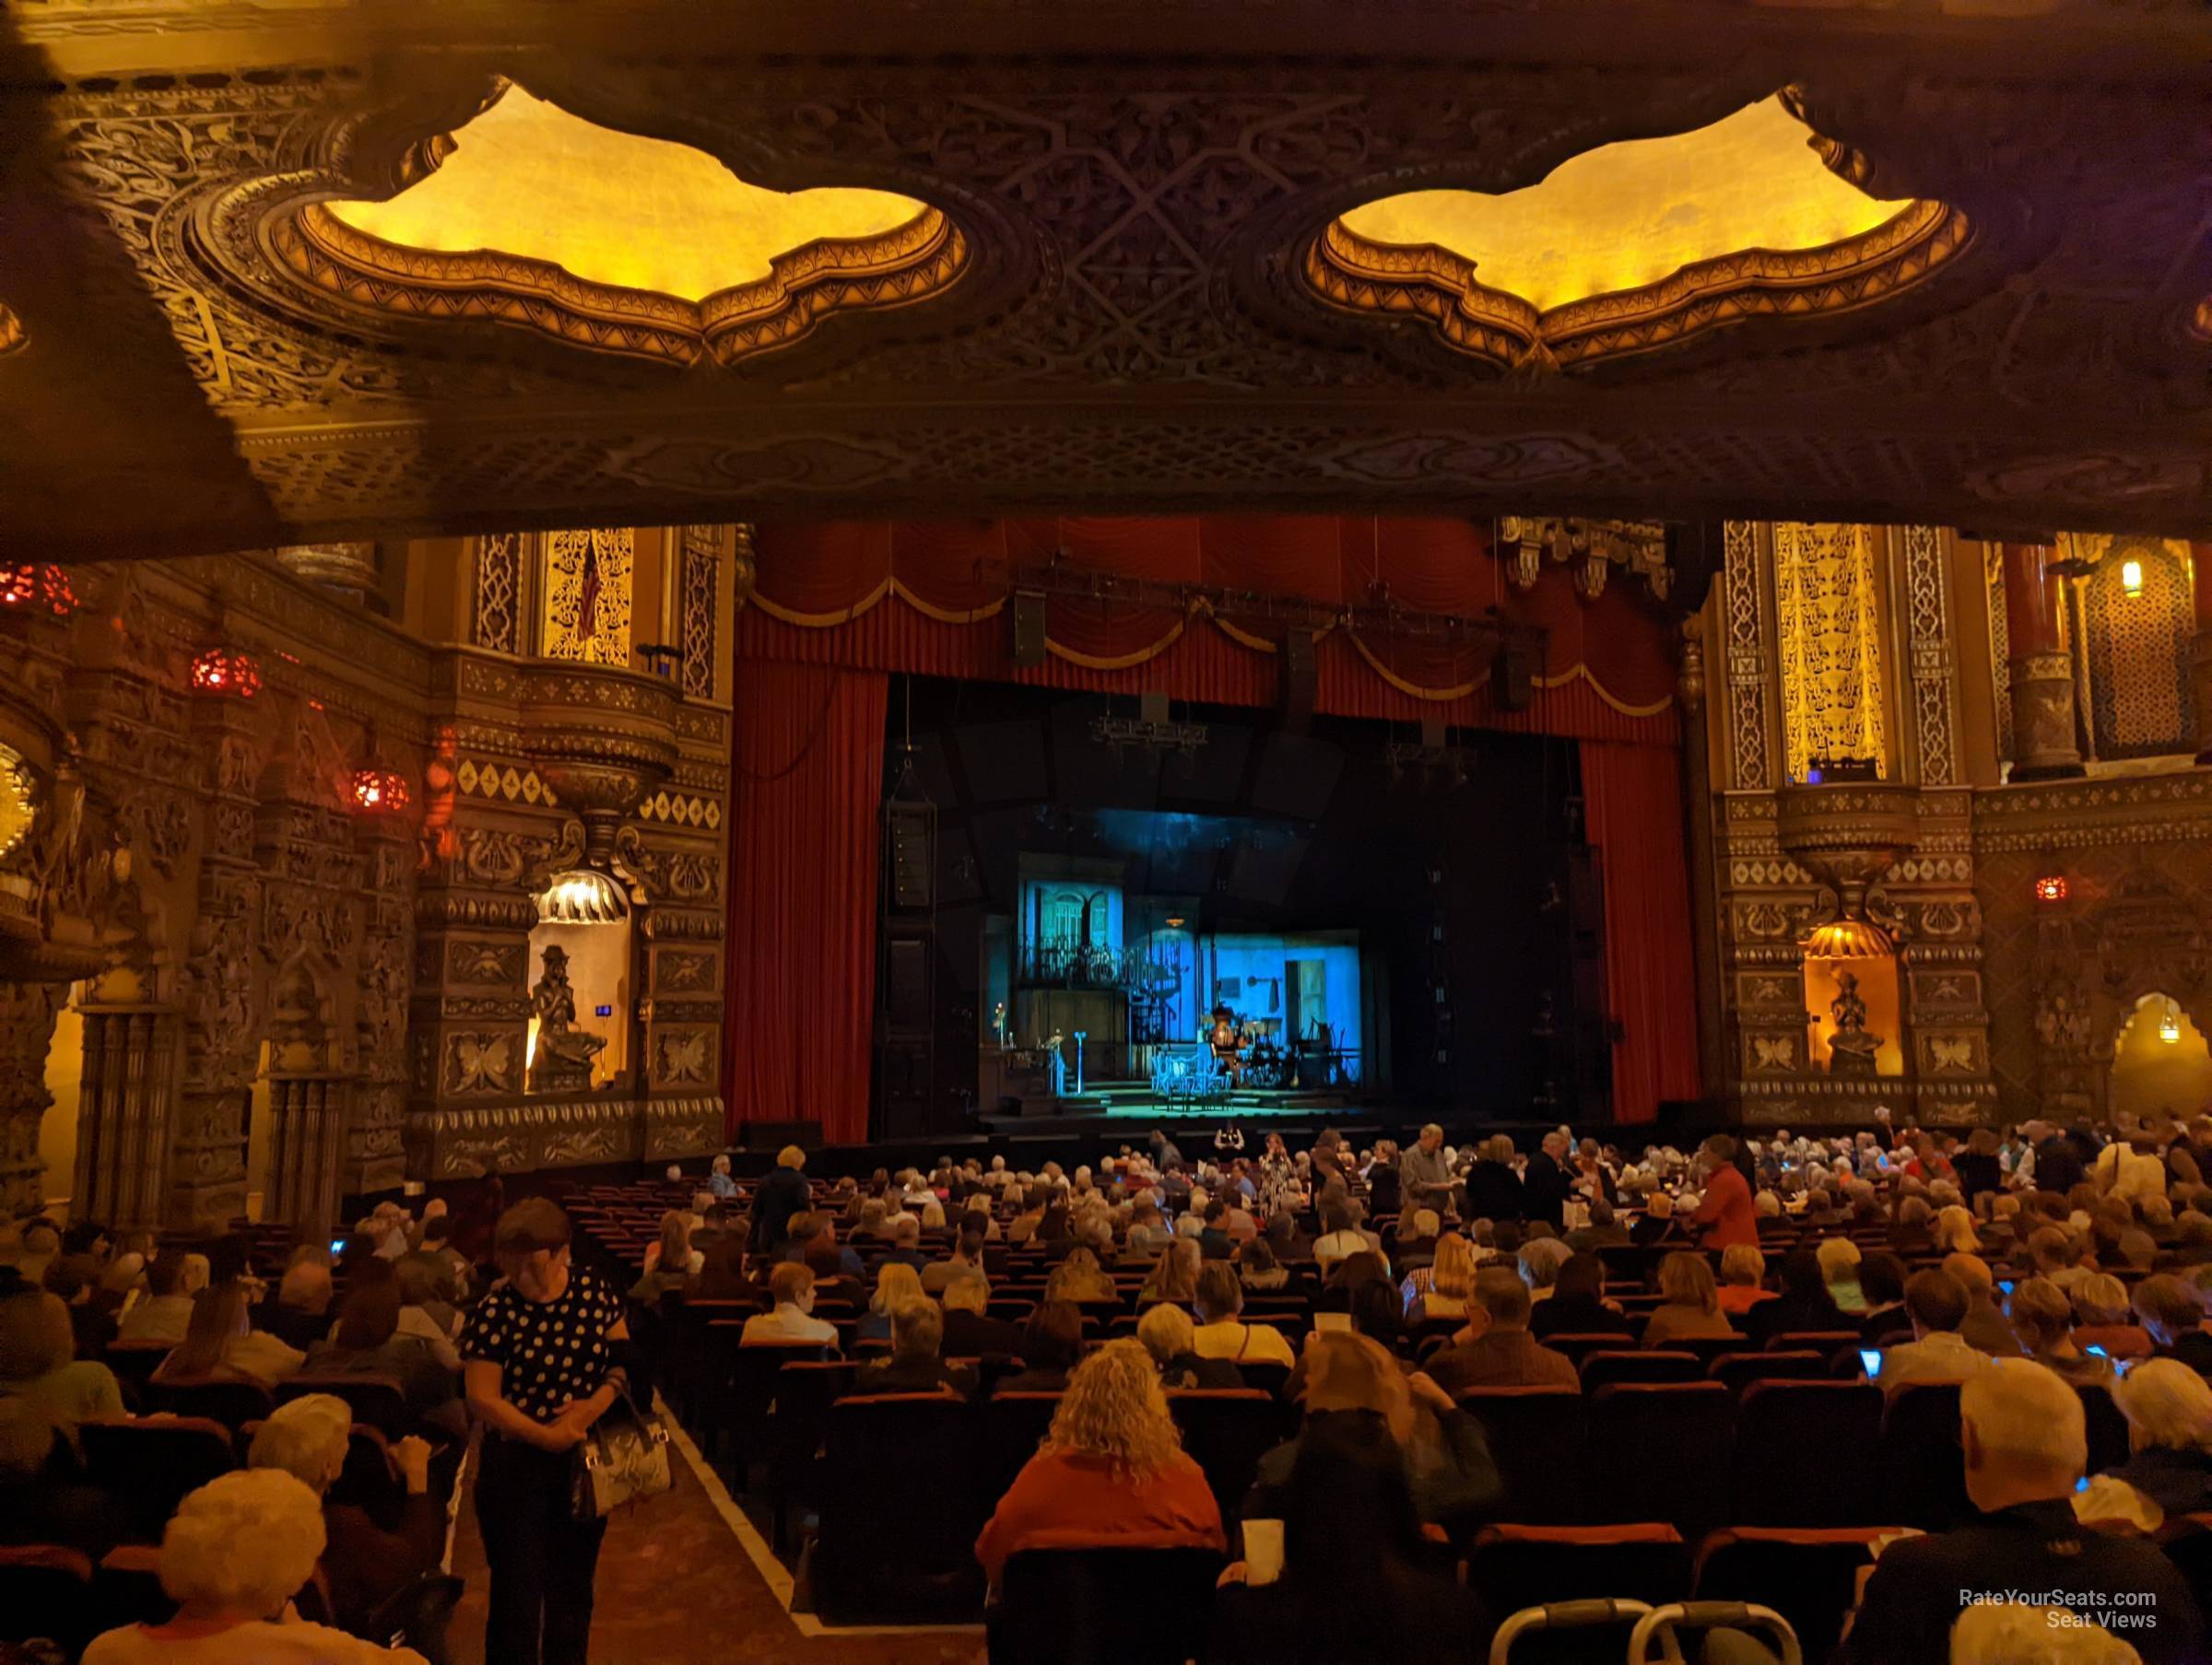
[1535, 1439]
[1808, 1576]
[46, 1591]
[1068, 1604]
[1674, 1440]
[1631, 1365]
[1923, 1467]
[149, 1465]
[870, 1562]
[1737, 1371]
[1513, 1567]
[1806, 1454]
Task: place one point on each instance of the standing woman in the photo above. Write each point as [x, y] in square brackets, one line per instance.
[540, 1358]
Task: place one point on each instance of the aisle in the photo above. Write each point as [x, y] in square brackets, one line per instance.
[677, 1584]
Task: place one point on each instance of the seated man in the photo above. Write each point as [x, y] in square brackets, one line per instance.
[915, 1364]
[364, 1564]
[968, 1332]
[299, 1316]
[1496, 1350]
[792, 1289]
[967, 1257]
[171, 1280]
[2026, 1446]
[1936, 1303]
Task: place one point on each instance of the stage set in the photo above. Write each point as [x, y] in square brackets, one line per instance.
[1196, 914]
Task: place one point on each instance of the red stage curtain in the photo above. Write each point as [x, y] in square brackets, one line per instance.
[808, 780]
[1632, 807]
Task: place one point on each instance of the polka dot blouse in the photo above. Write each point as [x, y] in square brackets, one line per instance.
[548, 1352]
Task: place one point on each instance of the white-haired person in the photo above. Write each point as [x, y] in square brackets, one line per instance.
[232, 1558]
[363, 1564]
[542, 1364]
[2007, 1633]
[783, 1192]
[718, 1178]
[1111, 1467]
[2025, 1443]
[2168, 1412]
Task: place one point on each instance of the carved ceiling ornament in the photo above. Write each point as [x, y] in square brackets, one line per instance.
[1592, 547]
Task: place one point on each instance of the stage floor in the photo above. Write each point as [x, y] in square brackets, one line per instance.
[1136, 1101]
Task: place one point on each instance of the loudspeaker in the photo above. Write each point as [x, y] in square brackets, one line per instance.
[906, 1000]
[906, 829]
[1029, 627]
[1513, 677]
[1298, 680]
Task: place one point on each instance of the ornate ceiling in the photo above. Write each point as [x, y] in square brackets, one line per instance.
[1126, 287]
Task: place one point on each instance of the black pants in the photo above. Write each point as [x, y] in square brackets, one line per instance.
[542, 1560]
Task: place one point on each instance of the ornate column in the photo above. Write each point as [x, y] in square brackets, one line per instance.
[2200, 646]
[1697, 799]
[2041, 670]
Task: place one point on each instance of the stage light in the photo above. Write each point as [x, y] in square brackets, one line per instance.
[2130, 578]
[2051, 887]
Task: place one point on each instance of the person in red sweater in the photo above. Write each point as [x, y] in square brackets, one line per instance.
[1112, 1468]
[1726, 1212]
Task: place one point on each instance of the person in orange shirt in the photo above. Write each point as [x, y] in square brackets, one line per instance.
[1726, 1212]
[1111, 1469]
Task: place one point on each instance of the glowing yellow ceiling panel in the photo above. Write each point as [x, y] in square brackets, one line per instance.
[1628, 215]
[529, 179]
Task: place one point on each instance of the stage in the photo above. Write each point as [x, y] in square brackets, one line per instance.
[1136, 1103]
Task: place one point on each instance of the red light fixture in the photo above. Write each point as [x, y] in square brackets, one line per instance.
[226, 673]
[378, 791]
[36, 587]
[2051, 887]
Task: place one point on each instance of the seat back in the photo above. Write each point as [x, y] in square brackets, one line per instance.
[1737, 1371]
[1842, 1421]
[149, 1466]
[2106, 1427]
[1660, 1365]
[871, 1562]
[378, 1401]
[1826, 1343]
[1923, 1467]
[46, 1592]
[1513, 1567]
[2187, 1540]
[134, 1363]
[1578, 1346]
[1693, 1419]
[1070, 1605]
[1010, 1427]
[1226, 1432]
[1810, 1577]
[1536, 1440]
[232, 1404]
[738, 1382]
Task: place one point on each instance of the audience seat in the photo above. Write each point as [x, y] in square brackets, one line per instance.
[2187, 1540]
[804, 1389]
[378, 1401]
[2106, 1428]
[1011, 1427]
[1226, 1432]
[1675, 1439]
[1922, 1467]
[1808, 1454]
[1737, 1371]
[218, 1399]
[1624, 1365]
[46, 1593]
[1826, 1343]
[134, 1363]
[1536, 1440]
[1514, 1567]
[1808, 1576]
[148, 1466]
[1268, 1379]
[1706, 1348]
[874, 1560]
[127, 1587]
[1070, 1604]
[1578, 1346]
[739, 1386]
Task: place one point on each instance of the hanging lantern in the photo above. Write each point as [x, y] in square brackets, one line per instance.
[226, 673]
[378, 791]
[2169, 1025]
[2051, 887]
[36, 587]
[2130, 578]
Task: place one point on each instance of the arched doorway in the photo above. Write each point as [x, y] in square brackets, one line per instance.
[2161, 1062]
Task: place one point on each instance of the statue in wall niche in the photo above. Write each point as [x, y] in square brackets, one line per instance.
[563, 1060]
[1849, 1049]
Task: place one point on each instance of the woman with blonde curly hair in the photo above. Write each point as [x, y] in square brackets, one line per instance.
[1114, 1466]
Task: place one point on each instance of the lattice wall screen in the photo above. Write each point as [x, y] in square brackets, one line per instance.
[1828, 618]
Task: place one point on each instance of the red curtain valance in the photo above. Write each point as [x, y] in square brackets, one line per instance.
[926, 597]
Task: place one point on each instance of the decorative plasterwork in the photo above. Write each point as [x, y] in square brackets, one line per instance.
[1348, 272]
[11, 332]
[1928, 635]
[1748, 648]
[897, 268]
[1594, 547]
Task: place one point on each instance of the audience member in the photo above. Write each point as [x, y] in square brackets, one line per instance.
[2173, 1316]
[1051, 1343]
[40, 1367]
[2043, 1318]
[1578, 1306]
[1692, 1308]
[790, 1319]
[171, 1281]
[968, 1334]
[1804, 1305]
[367, 1343]
[916, 1364]
[1111, 1466]
[1168, 1335]
[1743, 1271]
[2023, 1433]
[1937, 1352]
[233, 1555]
[2101, 1312]
[1840, 1266]
[1882, 1287]
[1496, 1349]
[220, 1343]
[363, 1564]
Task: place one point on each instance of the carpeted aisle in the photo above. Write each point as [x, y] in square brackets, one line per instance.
[676, 1585]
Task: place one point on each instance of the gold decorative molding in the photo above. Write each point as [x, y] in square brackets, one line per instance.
[11, 332]
[896, 268]
[1351, 274]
